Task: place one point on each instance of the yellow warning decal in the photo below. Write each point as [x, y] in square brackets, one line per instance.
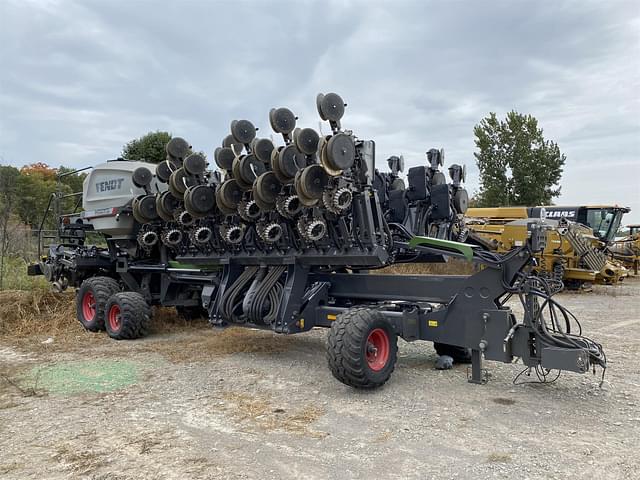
[331, 317]
[302, 323]
[433, 323]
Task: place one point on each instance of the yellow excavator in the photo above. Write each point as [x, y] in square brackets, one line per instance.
[627, 249]
[577, 247]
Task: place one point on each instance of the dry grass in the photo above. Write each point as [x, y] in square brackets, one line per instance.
[453, 267]
[226, 342]
[37, 312]
[41, 312]
[499, 457]
[258, 411]
[78, 460]
[166, 320]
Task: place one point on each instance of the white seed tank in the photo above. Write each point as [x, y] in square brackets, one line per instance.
[108, 189]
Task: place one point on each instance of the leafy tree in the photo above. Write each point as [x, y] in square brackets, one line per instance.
[8, 198]
[148, 148]
[74, 180]
[40, 169]
[517, 165]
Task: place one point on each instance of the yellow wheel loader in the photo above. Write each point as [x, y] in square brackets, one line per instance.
[577, 246]
[627, 249]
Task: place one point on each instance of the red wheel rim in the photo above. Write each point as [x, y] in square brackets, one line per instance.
[88, 307]
[114, 318]
[377, 349]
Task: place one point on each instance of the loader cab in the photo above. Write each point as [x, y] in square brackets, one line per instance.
[604, 220]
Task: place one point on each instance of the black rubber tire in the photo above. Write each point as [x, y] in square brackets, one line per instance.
[135, 316]
[101, 288]
[459, 354]
[347, 343]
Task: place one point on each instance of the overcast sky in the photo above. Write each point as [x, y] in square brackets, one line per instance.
[80, 79]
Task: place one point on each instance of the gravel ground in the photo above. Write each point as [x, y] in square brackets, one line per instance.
[201, 403]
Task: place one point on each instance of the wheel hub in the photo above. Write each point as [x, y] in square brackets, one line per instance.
[377, 349]
[114, 318]
[89, 306]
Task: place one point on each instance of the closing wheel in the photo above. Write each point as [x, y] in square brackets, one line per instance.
[229, 142]
[340, 151]
[311, 182]
[362, 350]
[179, 182]
[145, 209]
[224, 158]
[163, 172]
[229, 195]
[459, 354]
[200, 200]
[331, 107]
[127, 316]
[282, 120]
[461, 200]
[290, 161]
[195, 164]
[141, 177]
[243, 131]
[91, 300]
[262, 148]
[166, 205]
[306, 139]
[178, 147]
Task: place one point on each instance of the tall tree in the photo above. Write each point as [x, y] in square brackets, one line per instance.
[148, 148]
[8, 198]
[517, 165]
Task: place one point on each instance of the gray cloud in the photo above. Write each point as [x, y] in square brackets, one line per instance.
[80, 79]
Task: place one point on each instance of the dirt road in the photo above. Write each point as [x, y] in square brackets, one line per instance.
[200, 403]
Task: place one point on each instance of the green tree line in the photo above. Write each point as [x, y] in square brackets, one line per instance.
[25, 192]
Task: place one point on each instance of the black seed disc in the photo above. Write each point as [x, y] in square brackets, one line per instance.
[147, 207]
[307, 140]
[291, 160]
[312, 181]
[163, 172]
[282, 120]
[262, 148]
[166, 204]
[177, 181]
[224, 158]
[461, 200]
[195, 164]
[230, 141]
[178, 147]
[275, 166]
[267, 187]
[137, 214]
[141, 177]
[230, 194]
[319, 105]
[202, 199]
[341, 151]
[237, 174]
[332, 107]
[251, 168]
[243, 131]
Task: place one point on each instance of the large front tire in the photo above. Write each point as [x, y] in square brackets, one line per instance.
[363, 348]
[127, 316]
[91, 300]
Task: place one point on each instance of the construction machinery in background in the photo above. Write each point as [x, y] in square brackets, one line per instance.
[627, 249]
[283, 237]
[577, 249]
